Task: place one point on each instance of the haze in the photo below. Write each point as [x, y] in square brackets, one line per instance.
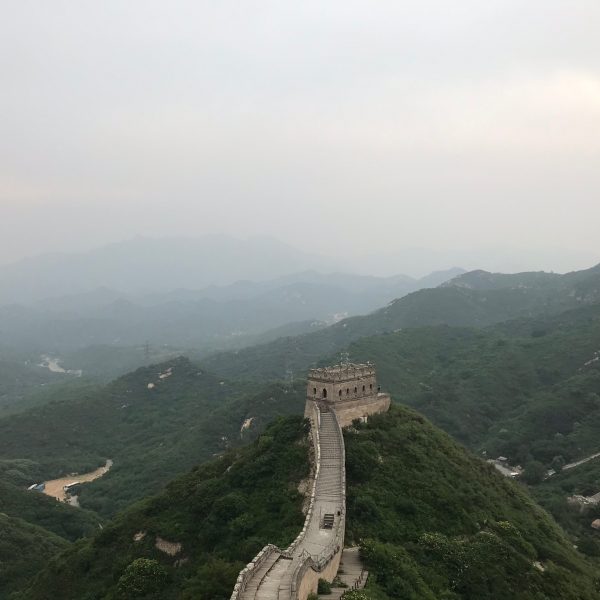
[447, 133]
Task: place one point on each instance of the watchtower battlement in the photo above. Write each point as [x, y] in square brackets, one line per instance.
[350, 390]
[341, 382]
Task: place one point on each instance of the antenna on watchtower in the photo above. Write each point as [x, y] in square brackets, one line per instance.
[344, 358]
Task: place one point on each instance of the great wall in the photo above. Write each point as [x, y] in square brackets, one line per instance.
[335, 397]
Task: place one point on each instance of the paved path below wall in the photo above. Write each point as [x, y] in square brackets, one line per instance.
[273, 580]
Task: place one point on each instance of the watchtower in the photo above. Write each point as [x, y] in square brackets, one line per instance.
[350, 390]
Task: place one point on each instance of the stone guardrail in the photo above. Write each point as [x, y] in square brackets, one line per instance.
[315, 423]
[248, 571]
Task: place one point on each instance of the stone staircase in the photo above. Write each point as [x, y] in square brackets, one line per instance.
[275, 577]
[329, 484]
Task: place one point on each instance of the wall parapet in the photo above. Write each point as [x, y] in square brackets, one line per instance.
[248, 571]
[315, 421]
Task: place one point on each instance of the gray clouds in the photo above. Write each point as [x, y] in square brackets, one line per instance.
[351, 127]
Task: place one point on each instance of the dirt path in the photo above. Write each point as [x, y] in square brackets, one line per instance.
[580, 462]
[55, 487]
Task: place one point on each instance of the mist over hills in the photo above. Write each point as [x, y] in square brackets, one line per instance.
[475, 299]
[216, 317]
[149, 265]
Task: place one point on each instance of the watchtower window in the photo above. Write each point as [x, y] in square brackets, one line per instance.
[314, 391]
[347, 391]
[364, 388]
[324, 393]
[355, 390]
[371, 386]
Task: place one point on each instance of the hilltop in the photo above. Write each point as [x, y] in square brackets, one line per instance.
[435, 522]
[408, 488]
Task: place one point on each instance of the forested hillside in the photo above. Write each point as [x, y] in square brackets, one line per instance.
[524, 389]
[459, 303]
[154, 423]
[25, 550]
[221, 514]
[19, 382]
[434, 522]
[521, 388]
[43, 511]
[33, 527]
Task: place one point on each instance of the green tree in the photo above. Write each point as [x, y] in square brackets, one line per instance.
[534, 472]
[142, 577]
[355, 595]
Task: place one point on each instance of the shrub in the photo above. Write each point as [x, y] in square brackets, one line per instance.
[142, 577]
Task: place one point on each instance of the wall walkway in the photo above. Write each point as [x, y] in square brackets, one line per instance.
[293, 573]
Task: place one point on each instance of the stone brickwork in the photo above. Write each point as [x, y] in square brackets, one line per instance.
[350, 390]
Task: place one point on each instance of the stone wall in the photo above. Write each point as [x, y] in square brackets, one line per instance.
[309, 580]
[358, 408]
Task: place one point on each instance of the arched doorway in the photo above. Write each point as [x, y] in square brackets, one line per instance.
[324, 393]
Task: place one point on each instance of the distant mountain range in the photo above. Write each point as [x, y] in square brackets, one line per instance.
[216, 317]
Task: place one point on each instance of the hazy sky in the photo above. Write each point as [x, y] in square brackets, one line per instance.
[347, 127]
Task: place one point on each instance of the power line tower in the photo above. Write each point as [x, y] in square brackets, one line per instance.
[344, 358]
[147, 351]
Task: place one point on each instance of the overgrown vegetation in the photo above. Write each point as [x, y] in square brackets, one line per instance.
[43, 511]
[525, 389]
[553, 494]
[435, 522]
[23, 383]
[151, 434]
[24, 550]
[222, 514]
